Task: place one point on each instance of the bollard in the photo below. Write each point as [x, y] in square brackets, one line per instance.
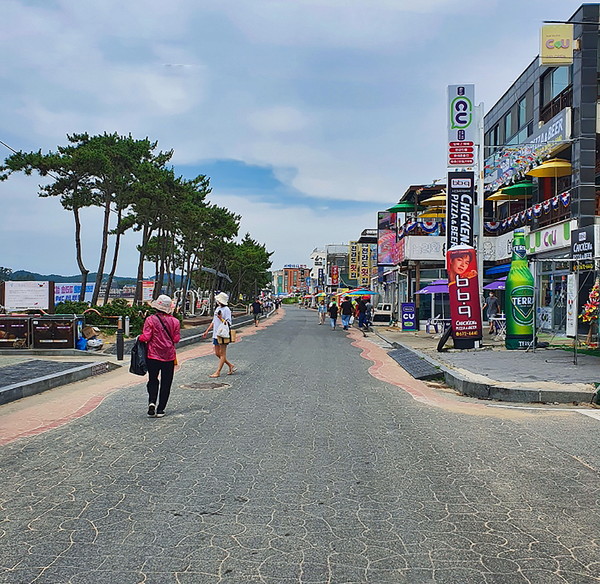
[126, 326]
[120, 341]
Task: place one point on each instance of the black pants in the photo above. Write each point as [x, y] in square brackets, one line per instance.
[166, 369]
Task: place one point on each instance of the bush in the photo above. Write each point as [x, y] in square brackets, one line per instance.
[292, 300]
[101, 315]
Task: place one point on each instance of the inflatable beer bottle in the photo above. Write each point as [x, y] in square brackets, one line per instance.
[519, 297]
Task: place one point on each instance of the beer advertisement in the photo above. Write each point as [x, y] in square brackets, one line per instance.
[463, 288]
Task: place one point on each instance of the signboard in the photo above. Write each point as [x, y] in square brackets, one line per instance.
[556, 45]
[508, 162]
[462, 126]
[556, 237]
[70, 292]
[147, 290]
[26, 296]
[353, 260]
[572, 308]
[335, 275]
[386, 238]
[321, 278]
[463, 289]
[408, 313]
[582, 248]
[460, 203]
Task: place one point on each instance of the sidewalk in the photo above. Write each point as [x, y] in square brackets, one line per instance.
[540, 376]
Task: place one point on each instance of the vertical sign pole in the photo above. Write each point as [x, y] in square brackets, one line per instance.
[479, 228]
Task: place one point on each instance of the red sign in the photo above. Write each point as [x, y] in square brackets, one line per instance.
[466, 143]
[465, 149]
[463, 288]
[335, 275]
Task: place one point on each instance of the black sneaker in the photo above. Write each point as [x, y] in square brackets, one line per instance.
[151, 410]
[160, 414]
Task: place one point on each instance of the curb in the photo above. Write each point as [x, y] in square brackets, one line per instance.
[486, 391]
[26, 388]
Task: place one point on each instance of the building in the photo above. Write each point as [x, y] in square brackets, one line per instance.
[542, 168]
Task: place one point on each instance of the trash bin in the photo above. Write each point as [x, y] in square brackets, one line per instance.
[15, 332]
[56, 332]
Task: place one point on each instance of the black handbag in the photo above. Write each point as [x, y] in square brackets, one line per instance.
[138, 364]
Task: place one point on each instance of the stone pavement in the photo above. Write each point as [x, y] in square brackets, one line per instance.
[540, 376]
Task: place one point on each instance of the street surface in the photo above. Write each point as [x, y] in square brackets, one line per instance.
[319, 462]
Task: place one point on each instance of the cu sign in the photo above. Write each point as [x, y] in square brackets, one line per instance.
[461, 113]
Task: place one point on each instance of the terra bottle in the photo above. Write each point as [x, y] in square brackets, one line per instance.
[519, 295]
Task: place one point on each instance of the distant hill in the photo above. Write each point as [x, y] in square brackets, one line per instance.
[25, 275]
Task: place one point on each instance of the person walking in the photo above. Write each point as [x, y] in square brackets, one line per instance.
[322, 310]
[333, 314]
[362, 313]
[222, 315]
[493, 306]
[162, 332]
[257, 310]
[347, 310]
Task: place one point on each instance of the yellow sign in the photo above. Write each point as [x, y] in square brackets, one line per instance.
[556, 44]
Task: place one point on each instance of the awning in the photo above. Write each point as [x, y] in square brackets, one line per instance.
[405, 207]
[434, 289]
[499, 284]
[502, 269]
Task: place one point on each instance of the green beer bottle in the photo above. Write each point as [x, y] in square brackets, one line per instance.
[519, 297]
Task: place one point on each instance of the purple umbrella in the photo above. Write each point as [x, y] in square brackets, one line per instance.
[434, 289]
[499, 284]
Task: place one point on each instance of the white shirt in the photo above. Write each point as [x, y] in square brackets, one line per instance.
[225, 315]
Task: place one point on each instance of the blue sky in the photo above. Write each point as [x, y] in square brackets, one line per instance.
[309, 116]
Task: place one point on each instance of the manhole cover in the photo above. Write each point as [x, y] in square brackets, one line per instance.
[205, 386]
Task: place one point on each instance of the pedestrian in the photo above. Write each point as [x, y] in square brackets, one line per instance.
[162, 332]
[222, 315]
[322, 310]
[257, 310]
[362, 313]
[347, 311]
[333, 314]
[493, 306]
[368, 311]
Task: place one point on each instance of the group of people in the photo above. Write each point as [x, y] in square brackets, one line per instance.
[162, 332]
[361, 310]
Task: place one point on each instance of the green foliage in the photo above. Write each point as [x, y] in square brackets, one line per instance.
[104, 315]
[5, 274]
[291, 300]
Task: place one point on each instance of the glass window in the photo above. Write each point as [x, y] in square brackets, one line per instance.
[522, 109]
[508, 125]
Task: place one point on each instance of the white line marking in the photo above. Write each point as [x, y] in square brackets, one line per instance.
[591, 413]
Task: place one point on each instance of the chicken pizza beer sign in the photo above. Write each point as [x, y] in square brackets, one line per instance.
[460, 202]
[463, 288]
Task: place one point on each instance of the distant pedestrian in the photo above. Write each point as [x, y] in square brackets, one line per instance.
[333, 314]
[322, 310]
[222, 315]
[257, 309]
[162, 332]
[347, 312]
[362, 313]
[493, 307]
[368, 311]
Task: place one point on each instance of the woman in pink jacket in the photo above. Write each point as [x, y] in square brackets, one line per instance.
[162, 333]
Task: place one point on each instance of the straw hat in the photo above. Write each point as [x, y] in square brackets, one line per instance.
[222, 298]
[163, 303]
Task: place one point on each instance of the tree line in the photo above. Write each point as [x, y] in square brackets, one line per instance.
[181, 232]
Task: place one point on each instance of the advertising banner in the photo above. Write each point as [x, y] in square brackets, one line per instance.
[25, 295]
[582, 248]
[70, 292]
[463, 135]
[147, 290]
[409, 316]
[386, 238]
[365, 265]
[353, 260]
[463, 288]
[460, 203]
[556, 44]
[572, 308]
[335, 275]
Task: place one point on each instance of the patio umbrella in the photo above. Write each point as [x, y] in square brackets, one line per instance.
[435, 201]
[520, 188]
[361, 293]
[405, 207]
[434, 289]
[499, 284]
[552, 168]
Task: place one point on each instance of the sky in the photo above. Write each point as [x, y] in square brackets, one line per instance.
[309, 116]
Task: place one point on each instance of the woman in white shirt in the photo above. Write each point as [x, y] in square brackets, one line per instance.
[222, 315]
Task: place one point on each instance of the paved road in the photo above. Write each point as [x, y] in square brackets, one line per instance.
[320, 462]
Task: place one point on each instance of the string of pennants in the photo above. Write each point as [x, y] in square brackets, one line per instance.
[425, 225]
[527, 215]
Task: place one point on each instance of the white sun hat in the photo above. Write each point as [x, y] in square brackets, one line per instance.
[163, 303]
[222, 298]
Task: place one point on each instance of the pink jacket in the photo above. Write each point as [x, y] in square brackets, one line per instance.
[161, 346]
